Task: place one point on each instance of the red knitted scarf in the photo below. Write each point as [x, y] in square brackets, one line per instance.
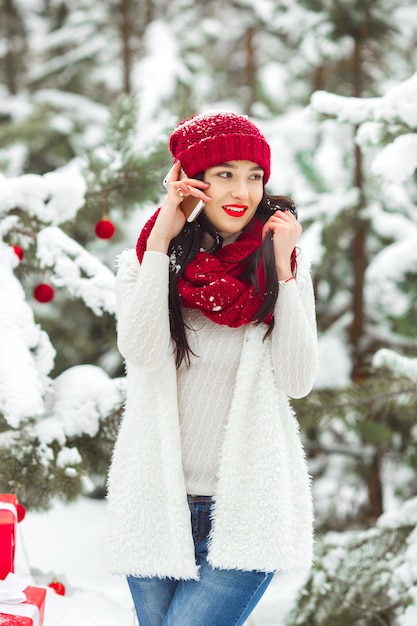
[213, 282]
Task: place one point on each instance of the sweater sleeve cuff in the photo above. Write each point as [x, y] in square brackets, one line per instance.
[287, 292]
[154, 261]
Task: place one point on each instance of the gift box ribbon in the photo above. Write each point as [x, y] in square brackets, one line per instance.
[13, 598]
[6, 506]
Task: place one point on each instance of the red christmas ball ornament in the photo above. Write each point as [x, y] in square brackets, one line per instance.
[18, 252]
[57, 587]
[43, 293]
[21, 512]
[105, 228]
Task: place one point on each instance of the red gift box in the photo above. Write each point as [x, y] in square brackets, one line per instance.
[27, 613]
[8, 521]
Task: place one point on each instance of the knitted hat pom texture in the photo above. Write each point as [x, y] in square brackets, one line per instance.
[209, 139]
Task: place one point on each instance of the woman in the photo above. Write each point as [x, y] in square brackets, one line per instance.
[208, 490]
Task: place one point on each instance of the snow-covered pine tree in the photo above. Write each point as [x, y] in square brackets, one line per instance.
[362, 31]
[362, 447]
[38, 419]
[358, 578]
[58, 416]
[387, 134]
[367, 577]
[122, 175]
[349, 217]
[371, 422]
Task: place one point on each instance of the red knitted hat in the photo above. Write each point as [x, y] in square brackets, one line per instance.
[216, 137]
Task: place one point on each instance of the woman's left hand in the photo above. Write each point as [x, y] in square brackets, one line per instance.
[285, 231]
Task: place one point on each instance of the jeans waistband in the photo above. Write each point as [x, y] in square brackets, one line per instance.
[195, 498]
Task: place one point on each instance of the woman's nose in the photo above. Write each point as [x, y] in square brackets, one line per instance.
[240, 190]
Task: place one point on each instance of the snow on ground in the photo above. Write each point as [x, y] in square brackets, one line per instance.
[68, 543]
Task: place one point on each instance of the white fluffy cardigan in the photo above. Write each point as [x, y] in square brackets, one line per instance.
[263, 517]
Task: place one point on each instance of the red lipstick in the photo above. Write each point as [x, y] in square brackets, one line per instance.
[235, 210]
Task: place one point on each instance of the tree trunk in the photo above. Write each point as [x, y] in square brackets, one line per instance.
[319, 77]
[360, 262]
[358, 248]
[10, 36]
[375, 487]
[249, 70]
[126, 37]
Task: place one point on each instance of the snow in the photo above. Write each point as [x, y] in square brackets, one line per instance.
[68, 543]
[26, 354]
[335, 370]
[353, 110]
[52, 198]
[79, 271]
[397, 105]
[17, 365]
[79, 398]
[403, 365]
[389, 267]
[15, 107]
[78, 107]
[171, 68]
[398, 161]
[394, 113]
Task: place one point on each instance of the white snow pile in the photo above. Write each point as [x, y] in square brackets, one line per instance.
[80, 398]
[378, 119]
[26, 353]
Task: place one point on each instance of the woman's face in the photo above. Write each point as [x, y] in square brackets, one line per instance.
[236, 189]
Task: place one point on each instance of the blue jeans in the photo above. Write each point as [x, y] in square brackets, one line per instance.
[219, 598]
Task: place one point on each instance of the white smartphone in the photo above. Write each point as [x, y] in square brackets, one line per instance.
[190, 206]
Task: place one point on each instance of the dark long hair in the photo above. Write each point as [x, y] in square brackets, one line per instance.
[183, 249]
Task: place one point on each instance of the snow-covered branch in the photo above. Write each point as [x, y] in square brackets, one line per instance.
[397, 363]
[53, 198]
[388, 123]
[81, 273]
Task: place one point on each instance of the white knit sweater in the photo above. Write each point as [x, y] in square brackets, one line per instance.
[205, 392]
[223, 427]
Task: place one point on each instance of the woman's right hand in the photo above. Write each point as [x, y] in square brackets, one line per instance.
[171, 219]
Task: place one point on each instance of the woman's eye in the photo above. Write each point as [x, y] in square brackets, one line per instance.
[227, 174]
